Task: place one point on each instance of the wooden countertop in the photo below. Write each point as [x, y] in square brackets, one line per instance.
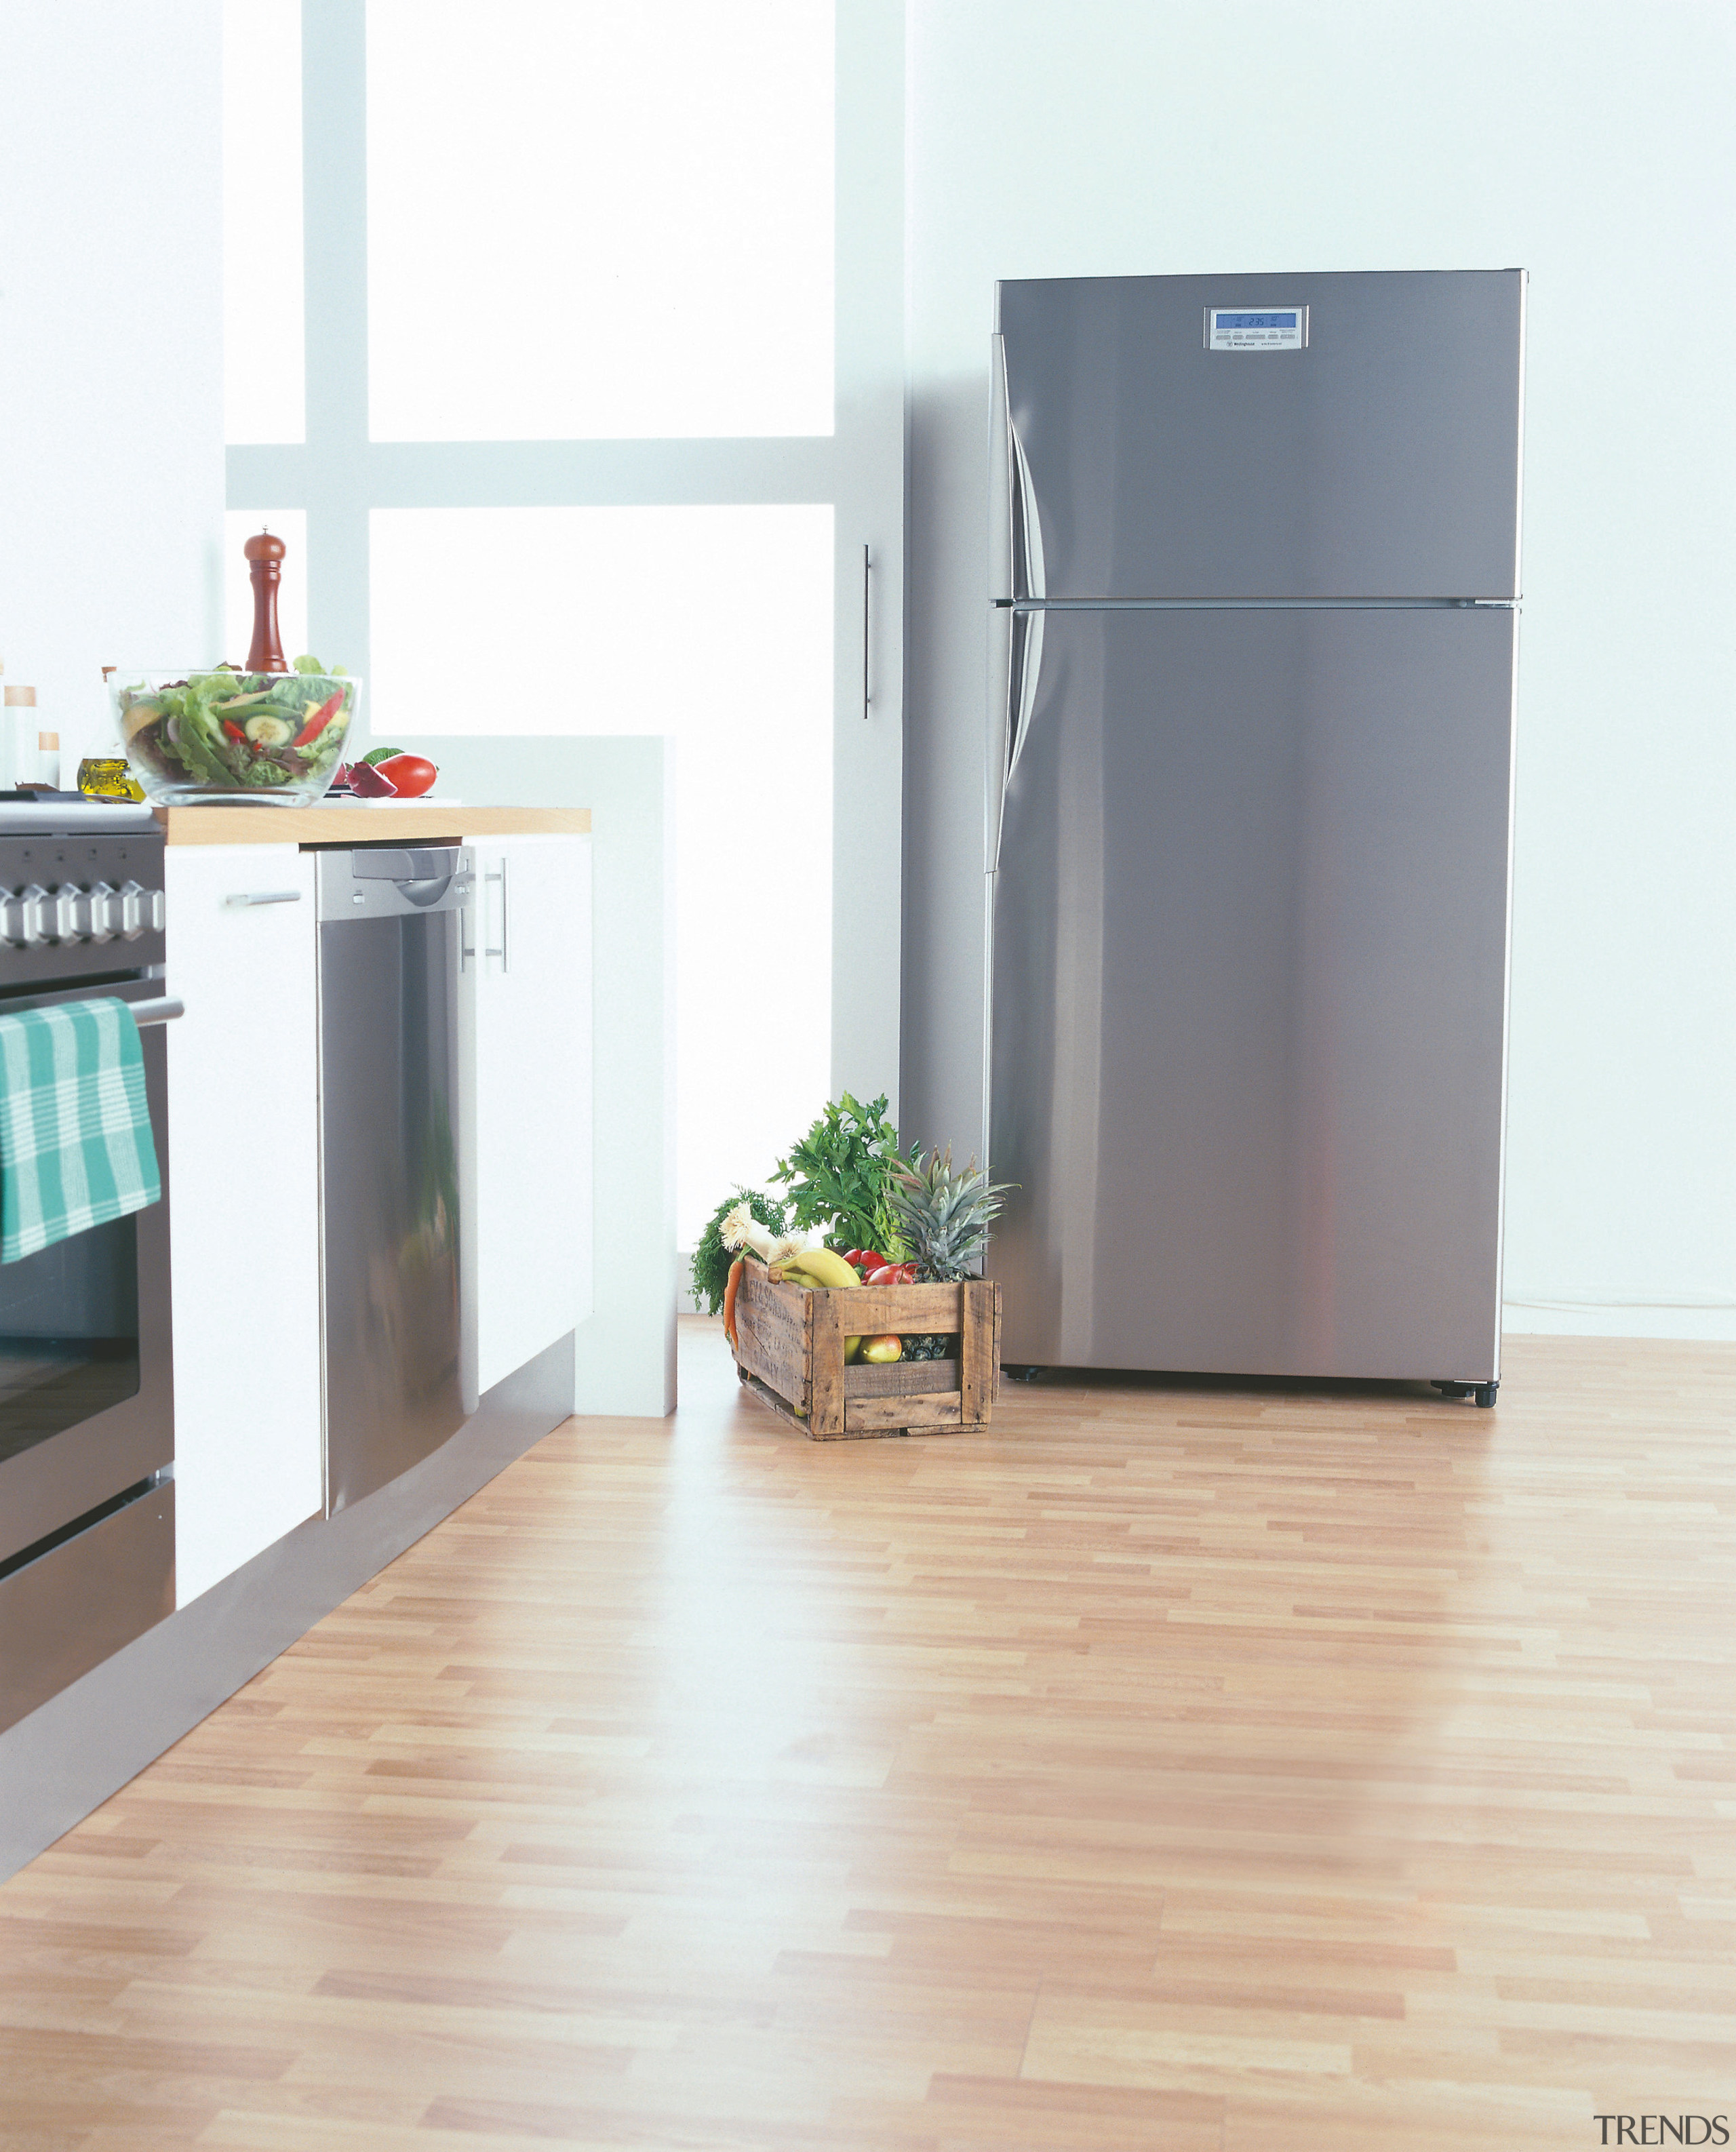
[364, 822]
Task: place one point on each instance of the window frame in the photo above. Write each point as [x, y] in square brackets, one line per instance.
[338, 474]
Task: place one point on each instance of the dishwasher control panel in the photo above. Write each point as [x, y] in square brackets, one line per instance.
[393, 881]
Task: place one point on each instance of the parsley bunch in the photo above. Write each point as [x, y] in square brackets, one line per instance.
[841, 1174]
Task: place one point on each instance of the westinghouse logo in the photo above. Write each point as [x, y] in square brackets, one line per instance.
[1663, 2128]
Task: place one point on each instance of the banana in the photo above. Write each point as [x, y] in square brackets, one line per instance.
[823, 1268]
[818, 1269]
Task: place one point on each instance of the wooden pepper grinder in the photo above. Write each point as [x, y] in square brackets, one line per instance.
[265, 553]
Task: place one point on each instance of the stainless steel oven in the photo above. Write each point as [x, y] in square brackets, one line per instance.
[86, 1424]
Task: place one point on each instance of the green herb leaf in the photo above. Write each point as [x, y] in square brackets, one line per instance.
[840, 1176]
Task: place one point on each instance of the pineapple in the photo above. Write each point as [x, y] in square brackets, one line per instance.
[943, 1212]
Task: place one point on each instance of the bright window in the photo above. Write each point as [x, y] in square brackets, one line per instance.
[566, 442]
[262, 343]
[711, 624]
[595, 220]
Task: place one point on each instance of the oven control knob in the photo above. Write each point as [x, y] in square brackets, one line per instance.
[68, 911]
[135, 907]
[159, 910]
[99, 916]
[21, 917]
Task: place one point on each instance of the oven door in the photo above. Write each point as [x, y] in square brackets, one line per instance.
[86, 1389]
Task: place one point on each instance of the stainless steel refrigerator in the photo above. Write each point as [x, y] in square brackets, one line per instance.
[1255, 583]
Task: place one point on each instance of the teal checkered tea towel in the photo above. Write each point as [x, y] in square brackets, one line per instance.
[75, 1140]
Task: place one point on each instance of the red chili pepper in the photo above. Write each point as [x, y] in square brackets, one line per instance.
[233, 729]
[317, 721]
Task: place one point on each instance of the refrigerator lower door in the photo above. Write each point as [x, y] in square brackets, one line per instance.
[1250, 990]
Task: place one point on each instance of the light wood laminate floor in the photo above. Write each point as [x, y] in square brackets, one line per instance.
[1187, 1765]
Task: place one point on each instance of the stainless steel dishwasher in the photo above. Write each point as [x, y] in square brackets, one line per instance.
[396, 1045]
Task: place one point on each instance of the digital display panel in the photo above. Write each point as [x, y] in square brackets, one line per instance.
[1256, 328]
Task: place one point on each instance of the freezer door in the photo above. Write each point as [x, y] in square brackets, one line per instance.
[1369, 449]
[1249, 993]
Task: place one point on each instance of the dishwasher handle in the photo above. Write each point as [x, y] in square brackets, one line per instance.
[425, 863]
[393, 882]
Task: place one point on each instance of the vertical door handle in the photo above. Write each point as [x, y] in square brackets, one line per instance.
[1015, 667]
[1030, 578]
[867, 569]
[1022, 683]
[498, 875]
[1002, 584]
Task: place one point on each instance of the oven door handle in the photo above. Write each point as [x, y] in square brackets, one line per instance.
[157, 1012]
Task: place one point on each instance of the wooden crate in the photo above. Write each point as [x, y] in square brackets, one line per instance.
[791, 1353]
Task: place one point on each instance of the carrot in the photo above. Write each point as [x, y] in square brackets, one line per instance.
[730, 1291]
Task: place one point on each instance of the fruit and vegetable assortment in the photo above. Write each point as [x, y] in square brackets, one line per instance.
[926, 1222]
[229, 731]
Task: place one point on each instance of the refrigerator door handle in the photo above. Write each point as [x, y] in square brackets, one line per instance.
[1001, 586]
[1022, 680]
[1027, 526]
[1003, 625]
[1015, 529]
[1015, 665]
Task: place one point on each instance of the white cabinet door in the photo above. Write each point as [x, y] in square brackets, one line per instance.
[532, 933]
[244, 1197]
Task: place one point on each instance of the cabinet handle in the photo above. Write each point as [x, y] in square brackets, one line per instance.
[265, 896]
[867, 640]
[498, 875]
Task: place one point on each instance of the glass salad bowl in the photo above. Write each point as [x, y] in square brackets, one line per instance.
[269, 739]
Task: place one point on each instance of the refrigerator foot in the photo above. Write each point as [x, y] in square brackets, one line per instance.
[1453, 1389]
[1020, 1374]
[1486, 1394]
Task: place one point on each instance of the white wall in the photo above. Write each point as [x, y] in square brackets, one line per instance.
[111, 360]
[1590, 143]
